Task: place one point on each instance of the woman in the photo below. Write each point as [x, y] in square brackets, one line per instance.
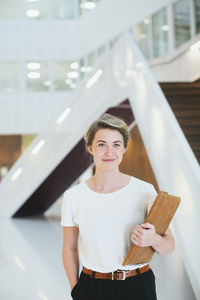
[107, 213]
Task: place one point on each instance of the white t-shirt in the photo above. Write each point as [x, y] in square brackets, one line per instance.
[105, 221]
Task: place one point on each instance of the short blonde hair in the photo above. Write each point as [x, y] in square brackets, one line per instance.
[107, 121]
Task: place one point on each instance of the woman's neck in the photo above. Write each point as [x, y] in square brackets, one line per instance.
[107, 178]
[107, 182]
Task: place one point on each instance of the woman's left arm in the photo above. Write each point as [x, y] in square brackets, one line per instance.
[144, 235]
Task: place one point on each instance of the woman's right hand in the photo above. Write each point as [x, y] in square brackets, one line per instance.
[70, 254]
[73, 286]
[74, 291]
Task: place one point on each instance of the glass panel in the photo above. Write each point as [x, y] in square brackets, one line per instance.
[113, 42]
[9, 77]
[37, 77]
[62, 9]
[101, 50]
[91, 60]
[142, 37]
[43, 9]
[82, 68]
[36, 9]
[85, 68]
[160, 36]
[86, 5]
[80, 10]
[66, 75]
[197, 15]
[181, 22]
[9, 9]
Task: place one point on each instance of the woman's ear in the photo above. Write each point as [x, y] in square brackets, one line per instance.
[90, 149]
[124, 150]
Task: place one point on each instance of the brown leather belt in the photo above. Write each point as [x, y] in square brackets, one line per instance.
[117, 275]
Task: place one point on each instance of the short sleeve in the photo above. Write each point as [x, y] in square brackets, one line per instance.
[151, 196]
[68, 210]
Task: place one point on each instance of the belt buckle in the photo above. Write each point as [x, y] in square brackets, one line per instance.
[113, 275]
[124, 274]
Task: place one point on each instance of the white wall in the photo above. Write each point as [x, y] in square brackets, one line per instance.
[31, 113]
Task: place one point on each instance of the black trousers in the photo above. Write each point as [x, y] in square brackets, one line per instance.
[140, 287]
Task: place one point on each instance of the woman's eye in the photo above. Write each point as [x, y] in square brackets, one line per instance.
[116, 145]
[101, 145]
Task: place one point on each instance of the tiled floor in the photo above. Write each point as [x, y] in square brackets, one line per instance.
[31, 265]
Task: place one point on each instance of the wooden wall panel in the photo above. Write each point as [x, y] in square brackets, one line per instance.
[135, 161]
[10, 149]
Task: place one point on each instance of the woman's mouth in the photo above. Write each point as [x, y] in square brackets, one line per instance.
[108, 160]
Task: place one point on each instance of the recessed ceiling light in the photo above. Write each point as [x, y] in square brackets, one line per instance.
[73, 75]
[33, 66]
[47, 83]
[140, 65]
[86, 69]
[143, 36]
[32, 13]
[72, 85]
[94, 78]
[16, 174]
[33, 75]
[146, 21]
[195, 46]
[68, 81]
[74, 65]
[19, 263]
[38, 147]
[165, 27]
[32, 0]
[42, 295]
[3, 171]
[63, 115]
[88, 5]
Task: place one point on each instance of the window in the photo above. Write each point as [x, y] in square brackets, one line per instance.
[9, 77]
[197, 15]
[160, 33]
[66, 75]
[37, 76]
[36, 10]
[142, 37]
[9, 9]
[181, 22]
[62, 9]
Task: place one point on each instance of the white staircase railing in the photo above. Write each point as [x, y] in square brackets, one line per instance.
[175, 166]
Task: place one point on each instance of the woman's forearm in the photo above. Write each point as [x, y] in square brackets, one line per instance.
[71, 265]
[144, 235]
[163, 244]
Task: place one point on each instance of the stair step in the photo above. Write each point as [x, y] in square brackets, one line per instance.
[187, 113]
[184, 121]
[184, 100]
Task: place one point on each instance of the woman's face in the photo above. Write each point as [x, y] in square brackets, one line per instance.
[107, 149]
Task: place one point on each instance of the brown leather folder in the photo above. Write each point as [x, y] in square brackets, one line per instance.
[160, 215]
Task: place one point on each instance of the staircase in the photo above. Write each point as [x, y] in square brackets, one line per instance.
[184, 99]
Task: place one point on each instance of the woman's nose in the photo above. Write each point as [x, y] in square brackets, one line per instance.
[108, 151]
